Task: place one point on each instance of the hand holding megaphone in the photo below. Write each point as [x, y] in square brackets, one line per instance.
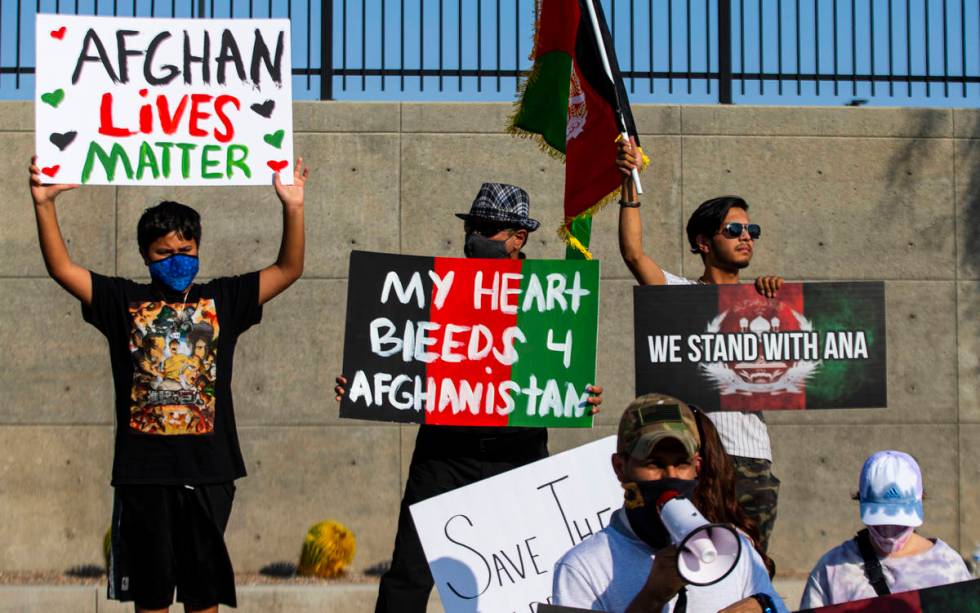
[706, 552]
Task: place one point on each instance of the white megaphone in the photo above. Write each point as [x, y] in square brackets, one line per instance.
[706, 552]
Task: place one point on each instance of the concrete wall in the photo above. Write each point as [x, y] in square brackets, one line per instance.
[842, 194]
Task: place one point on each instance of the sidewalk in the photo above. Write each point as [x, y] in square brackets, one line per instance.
[337, 598]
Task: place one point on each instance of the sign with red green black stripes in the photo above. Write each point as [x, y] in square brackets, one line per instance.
[726, 347]
[962, 597]
[470, 342]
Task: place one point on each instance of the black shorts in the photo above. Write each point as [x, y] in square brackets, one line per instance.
[171, 536]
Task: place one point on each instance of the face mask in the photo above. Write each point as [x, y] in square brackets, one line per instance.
[175, 271]
[477, 246]
[641, 507]
[889, 539]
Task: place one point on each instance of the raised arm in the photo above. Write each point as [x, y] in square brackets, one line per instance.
[76, 280]
[289, 265]
[646, 271]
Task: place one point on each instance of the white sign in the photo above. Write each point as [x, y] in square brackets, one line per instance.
[150, 101]
[492, 545]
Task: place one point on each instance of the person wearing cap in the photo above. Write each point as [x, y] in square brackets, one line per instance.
[664, 448]
[448, 457]
[720, 232]
[887, 556]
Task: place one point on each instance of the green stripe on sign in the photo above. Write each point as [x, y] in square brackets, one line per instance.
[842, 308]
[542, 372]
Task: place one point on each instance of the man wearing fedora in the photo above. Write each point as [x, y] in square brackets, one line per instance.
[448, 457]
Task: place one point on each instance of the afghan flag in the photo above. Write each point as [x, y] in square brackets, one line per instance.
[470, 342]
[575, 109]
[962, 597]
[725, 347]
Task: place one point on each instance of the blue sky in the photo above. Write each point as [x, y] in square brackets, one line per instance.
[512, 40]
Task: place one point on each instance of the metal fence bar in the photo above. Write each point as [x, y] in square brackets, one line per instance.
[670, 46]
[799, 84]
[779, 44]
[927, 48]
[891, 51]
[650, 42]
[725, 51]
[381, 28]
[963, 42]
[326, 50]
[816, 42]
[871, 41]
[363, 41]
[632, 44]
[440, 44]
[945, 49]
[687, 16]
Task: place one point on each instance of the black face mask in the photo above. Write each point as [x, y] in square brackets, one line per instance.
[477, 246]
[641, 507]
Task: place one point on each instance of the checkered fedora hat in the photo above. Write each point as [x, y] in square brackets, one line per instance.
[502, 203]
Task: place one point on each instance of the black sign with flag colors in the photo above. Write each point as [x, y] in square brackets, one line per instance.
[470, 342]
[963, 597]
[726, 347]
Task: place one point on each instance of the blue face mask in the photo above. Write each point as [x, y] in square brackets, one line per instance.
[176, 271]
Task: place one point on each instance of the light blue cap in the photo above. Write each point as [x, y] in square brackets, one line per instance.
[890, 490]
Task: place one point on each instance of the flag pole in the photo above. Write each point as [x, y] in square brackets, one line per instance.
[600, 41]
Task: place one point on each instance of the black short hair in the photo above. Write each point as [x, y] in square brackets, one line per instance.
[707, 218]
[167, 217]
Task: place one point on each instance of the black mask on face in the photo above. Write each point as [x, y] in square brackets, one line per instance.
[641, 507]
[477, 246]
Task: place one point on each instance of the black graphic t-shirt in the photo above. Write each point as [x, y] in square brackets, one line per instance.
[172, 359]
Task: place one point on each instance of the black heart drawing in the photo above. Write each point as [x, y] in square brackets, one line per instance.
[264, 109]
[61, 141]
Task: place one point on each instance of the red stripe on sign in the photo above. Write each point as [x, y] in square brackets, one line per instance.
[748, 311]
[470, 340]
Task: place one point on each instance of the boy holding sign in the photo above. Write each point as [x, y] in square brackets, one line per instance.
[171, 344]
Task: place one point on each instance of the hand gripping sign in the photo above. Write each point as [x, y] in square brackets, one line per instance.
[470, 342]
[151, 101]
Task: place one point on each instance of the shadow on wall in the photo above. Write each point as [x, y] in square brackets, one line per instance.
[970, 256]
[970, 245]
[454, 577]
[903, 175]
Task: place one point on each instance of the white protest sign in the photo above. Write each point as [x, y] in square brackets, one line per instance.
[492, 545]
[150, 101]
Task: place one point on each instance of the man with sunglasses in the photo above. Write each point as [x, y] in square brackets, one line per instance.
[449, 457]
[720, 232]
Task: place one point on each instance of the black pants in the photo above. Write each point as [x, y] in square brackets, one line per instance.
[447, 458]
[171, 536]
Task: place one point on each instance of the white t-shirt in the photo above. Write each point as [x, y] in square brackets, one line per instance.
[606, 571]
[742, 433]
[839, 575]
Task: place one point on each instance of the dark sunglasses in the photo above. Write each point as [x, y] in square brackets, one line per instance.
[734, 229]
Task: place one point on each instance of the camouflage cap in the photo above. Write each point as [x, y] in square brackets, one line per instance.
[650, 419]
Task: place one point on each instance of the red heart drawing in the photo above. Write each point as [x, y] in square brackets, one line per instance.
[143, 91]
[59, 33]
[51, 171]
[277, 165]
